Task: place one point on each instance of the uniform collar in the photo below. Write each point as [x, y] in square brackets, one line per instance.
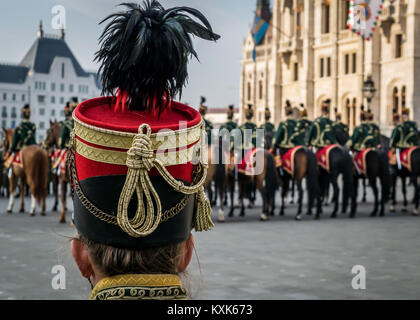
[139, 286]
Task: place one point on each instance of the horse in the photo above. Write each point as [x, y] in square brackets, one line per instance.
[305, 166]
[34, 172]
[340, 163]
[262, 175]
[51, 144]
[216, 173]
[52, 140]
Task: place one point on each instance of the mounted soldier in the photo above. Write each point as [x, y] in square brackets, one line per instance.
[25, 132]
[304, 123]
[341, 129]
[208, 125]
[405, 156]
[295, 161]
[322, 132]
[268, 128]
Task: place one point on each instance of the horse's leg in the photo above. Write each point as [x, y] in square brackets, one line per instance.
[22, 194]
[364, 190]
[55, 191]
[394, 192]
[259, 183]
[416, 195]
[284, 193]
[232, 196]
[300, 200]
[12, 188]
[292, 199]
[241, 197]
[404, 191]
[63, 200]
[336, 195]
[374, 185]
[354, 199]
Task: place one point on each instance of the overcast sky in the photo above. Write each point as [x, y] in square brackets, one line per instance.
[216, 77]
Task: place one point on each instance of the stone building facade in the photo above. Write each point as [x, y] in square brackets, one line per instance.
[309, 55]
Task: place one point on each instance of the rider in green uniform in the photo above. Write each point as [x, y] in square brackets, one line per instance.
[248, 130]
[268, 127]
[208, 125]
[364, 135]
[304, 124]
[340, 125]
[405, 134]
[374, 130]
[66, 127]
[25, 132]
[288, 135]
[322, 132]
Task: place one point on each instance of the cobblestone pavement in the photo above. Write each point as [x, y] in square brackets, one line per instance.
[242, 258]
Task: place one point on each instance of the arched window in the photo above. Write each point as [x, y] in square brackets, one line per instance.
[353, 125]
[260, 90]
[396, 100]
[249, 91]
[403, 97]
[326, 16]
[348, 112]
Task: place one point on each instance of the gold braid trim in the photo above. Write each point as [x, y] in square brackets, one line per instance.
[140, 160]
[139, 286]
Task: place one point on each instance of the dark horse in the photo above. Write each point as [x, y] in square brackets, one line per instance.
[377, 166]
[305, 166]
[340, 163]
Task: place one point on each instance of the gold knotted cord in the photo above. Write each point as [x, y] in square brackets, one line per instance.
[140, 160]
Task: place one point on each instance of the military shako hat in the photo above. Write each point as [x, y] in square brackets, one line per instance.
[135, 158]
[230, 112]
[249, 112]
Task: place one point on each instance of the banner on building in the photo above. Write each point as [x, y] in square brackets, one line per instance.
[258, 32]
[364, 16]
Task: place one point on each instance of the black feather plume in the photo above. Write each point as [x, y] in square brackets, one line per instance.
[145, 50]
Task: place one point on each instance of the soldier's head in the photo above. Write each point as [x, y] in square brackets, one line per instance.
[325, 109]
[267, 114]
[230, 112]
[26, 112]
[395, 117]
[405, 114]
[249, 112]
[68, 110]
[203, 108]
[338, 115]
[369, 115]
[303, 112]
[74, 103]
[362, 114]
[288, 109]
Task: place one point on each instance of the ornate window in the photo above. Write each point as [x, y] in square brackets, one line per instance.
[326, 16]
[396, 100]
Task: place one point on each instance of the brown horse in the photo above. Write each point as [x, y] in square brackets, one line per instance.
[263, 176]
[34, 172]
[52, 141]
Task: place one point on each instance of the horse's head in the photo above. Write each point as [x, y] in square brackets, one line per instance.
[53, 134]
[7, 138]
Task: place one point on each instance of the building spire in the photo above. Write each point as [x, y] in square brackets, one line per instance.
[40, 30]
[263, 9]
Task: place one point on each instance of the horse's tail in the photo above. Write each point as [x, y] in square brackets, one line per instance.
[384, 174]
[312, 177]
[348, 177]
[36, 170]
[271, 175]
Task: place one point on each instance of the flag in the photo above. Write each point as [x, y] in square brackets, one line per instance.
[364, 16]
[258, 32]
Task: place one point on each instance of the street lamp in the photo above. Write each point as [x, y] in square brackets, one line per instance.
[369, 90]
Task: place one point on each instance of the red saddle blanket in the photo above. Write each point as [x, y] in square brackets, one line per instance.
[15, 159]
[288, 160]
[406, 157]
[59, 161]
[360, 160]
[323, 156]
[392, 156]
[246, 165]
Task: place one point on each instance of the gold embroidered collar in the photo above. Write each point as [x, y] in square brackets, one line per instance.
[139, 286]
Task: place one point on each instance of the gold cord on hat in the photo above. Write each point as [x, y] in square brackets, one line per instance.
[140, 160]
